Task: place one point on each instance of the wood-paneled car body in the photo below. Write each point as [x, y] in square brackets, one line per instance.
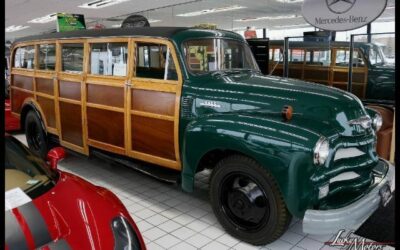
[188, 99]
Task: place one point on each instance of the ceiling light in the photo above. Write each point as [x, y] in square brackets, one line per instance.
[98, 4]
[153, 20]
[390, 7]
[252, 19]
[116, 25]
[210, 11]
[14, 28]
[292, 26]
[239, 28]
[44, 19]
[290, 1]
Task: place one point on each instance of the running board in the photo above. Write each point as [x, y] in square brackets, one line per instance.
[157, 172]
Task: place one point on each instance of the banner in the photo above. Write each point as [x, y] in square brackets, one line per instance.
[69, 22]
[341, 15]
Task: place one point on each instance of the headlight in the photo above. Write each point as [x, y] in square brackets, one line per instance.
[321, 151]
[377, 122]
[125, 237]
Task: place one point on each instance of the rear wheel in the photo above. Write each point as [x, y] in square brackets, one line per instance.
[247, 201]
[35, 135]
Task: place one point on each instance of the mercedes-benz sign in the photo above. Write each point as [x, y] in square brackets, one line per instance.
[340, 15]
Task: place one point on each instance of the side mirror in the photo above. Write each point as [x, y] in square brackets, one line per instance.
[54, 156]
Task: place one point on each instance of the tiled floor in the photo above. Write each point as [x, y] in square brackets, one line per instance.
[171, 219]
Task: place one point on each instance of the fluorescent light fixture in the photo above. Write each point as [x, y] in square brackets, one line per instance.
[252, 19]
[116, 25]
[44, 19]
[290, 1]
[98, 4]
[211, 11]
[14, 28]
[292, 26]
[390, 7]
[239, 28]
[153, 20]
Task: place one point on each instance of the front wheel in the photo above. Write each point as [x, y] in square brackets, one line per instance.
[35, 135]
[247, 201]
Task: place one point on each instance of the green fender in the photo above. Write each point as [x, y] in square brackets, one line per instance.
[281, 147]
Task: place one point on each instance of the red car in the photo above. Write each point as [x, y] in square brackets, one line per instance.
[12, 122]
[50, 209]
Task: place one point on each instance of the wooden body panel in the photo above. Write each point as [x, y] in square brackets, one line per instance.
[127, 115]
[18, 99]
[48, 108]
[45, 86]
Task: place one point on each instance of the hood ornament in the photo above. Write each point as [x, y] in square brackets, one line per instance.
[365, 122]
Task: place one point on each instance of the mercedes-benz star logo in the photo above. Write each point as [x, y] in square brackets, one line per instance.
[340, 6]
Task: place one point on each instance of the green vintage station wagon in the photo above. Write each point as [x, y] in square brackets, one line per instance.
[190, 99]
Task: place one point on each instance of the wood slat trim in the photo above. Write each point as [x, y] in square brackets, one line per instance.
[109, 40]
[85, 135]
[23, 90]
[52, 130]
[23, 72]
[72, 146]
[61, 99]
[101, 106]
[64, 41]
[44, 95]
[40, 73]
[156, 160]
[106, 146]
[152, 115]
[156, 87]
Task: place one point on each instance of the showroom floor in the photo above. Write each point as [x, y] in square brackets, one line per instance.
[171, 219]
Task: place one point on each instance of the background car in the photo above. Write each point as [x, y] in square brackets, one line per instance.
[50, 209]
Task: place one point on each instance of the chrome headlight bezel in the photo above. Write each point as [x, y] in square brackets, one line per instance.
[377, 122]
[321, 151]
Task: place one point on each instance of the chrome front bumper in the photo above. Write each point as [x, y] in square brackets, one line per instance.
[350, 217]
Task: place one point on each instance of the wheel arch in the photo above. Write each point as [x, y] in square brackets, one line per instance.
[32, 105]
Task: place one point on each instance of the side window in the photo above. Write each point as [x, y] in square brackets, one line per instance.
[25, 57]
[47, 56]
[342, 58]
[109, 59]
[155, 61]
[296, 56]
[72, 57]
[278, 56]
[318, 58]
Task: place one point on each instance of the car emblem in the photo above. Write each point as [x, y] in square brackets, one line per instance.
[340, 6]
[210, 104]
[365, 122]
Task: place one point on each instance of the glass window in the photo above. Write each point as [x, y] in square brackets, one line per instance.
[25, 171]
[72, 57]
[108, 59]
[342, 58]
[296, 56]
[318, 57]
[374, 56]
[155, 61]
[278, 56]
[206, 55]
[25, 57]
[47, 56]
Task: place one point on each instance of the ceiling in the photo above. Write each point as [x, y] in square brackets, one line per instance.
[286, 14]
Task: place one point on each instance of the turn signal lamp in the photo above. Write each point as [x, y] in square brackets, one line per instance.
[287, 112]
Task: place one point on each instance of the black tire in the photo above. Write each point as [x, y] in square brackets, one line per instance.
[247, 201]
[35, 135]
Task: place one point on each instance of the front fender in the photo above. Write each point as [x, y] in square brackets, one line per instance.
[283, 148]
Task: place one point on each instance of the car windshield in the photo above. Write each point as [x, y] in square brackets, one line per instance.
[25, 171]
[375, 55]
[210, 55]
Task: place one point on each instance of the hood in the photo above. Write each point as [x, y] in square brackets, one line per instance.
[74, 214]
[317, 106]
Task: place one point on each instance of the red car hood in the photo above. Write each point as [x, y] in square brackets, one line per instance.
[74, 214]
[12, 122]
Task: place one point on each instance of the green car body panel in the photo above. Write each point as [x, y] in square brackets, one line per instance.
[241, 112]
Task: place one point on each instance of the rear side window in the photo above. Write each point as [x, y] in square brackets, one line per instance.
[318, 57]
[155, 61]
[72, 57]
[25, 57]
[109, 59]
[47, 56]
[296, 56]
[343, 58]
